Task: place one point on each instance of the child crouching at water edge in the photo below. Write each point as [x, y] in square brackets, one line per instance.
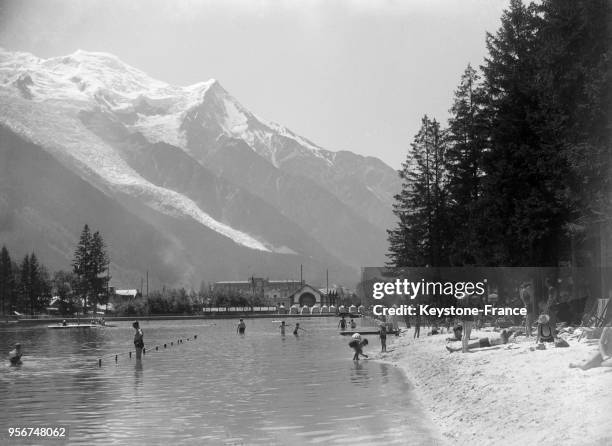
[357, 344]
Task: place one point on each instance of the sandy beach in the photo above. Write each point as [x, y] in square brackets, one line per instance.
[509, 395]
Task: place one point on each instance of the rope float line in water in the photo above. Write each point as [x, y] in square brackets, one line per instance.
[144, 350]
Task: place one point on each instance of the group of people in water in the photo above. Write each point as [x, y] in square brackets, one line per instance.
[357, 343]
[241, 328]
[545, 334]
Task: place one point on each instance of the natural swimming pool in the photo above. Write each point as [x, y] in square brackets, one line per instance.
[219, 389]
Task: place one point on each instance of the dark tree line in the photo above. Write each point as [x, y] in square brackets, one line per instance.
[27, 287]
[24, 287]
[521, 174]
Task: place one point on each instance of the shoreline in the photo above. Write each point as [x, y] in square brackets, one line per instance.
[506, 396]
[237, 315]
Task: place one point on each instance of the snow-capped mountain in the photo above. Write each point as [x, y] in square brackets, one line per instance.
[191, 156]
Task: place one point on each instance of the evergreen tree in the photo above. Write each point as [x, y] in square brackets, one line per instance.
[98, 265]
[7, 281]
[574, 94]
[64, 284]
[25, 286]
[33, 282]
[467, 138]
[90, 261]
[523, 209]
[81, 264]
[39, 285]
[419, 238]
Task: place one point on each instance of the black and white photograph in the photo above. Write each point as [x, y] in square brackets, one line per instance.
[306, 222]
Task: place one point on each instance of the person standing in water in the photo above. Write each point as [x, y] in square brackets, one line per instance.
[138, 340]
[297, 328]
[282, 328]
[342, 323]
[353, 324]
[241, 327]
[382, 332]
[15, 355]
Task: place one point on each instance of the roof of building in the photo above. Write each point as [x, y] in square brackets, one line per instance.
[302, 288]
[132, 293]
[233, 282]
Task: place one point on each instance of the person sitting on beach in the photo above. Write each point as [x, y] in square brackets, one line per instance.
[545, 331]
[342, 323]
[484, 342]
[457, 331]
[603, 357]
[15, 355]
[357, 344]
[241, 327]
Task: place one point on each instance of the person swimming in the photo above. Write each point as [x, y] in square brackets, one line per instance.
[241, 327]
[15, 355]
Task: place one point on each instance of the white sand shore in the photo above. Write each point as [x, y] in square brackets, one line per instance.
[508, 396]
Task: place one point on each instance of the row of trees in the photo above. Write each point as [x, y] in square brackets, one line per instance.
[24, 287]
[27, 287]
[521, 174]
[181, 301]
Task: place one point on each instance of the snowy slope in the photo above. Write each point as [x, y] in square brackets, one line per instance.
[92, 112]
[41, 99]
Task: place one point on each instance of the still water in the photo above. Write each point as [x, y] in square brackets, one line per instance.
[222, 388]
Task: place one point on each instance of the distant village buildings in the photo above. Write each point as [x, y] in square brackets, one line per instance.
[125, 294]
[279, 292]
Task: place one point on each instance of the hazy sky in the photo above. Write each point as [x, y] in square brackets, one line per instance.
[354, 75]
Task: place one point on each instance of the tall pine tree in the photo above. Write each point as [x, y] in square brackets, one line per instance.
[90, 261]
[81, 265]
[99, 264]
[7, 281]
[25, 286]
[420, 239]
[467, 139]
[523, 210]
[574, 79]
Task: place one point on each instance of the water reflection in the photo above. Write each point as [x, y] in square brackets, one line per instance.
[138, 375]
[260, 388]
